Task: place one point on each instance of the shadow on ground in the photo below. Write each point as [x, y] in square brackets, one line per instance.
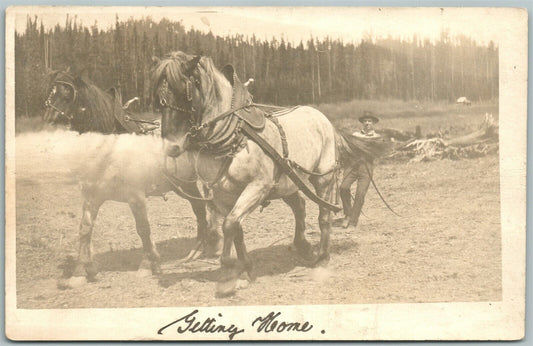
[129, 260]
[270, 261]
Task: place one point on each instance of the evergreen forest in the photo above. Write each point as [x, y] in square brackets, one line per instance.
[315, 71]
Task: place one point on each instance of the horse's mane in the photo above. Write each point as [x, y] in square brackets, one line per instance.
[174, 67]
[171, 67]
[93, 108]
[99, 108]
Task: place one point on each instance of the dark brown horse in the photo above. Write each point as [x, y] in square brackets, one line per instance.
[75, 100]
[204, 112]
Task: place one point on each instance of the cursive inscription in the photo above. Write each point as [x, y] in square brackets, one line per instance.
[190, 324]
[270, 323]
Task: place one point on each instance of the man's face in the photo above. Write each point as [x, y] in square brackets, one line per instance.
[368, 125]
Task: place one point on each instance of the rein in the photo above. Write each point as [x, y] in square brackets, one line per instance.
[177, 182]
[196, 129]
[154, 123]
[377, 190]
[179, 190]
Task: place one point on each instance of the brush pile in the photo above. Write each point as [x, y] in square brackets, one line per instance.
[481, 142]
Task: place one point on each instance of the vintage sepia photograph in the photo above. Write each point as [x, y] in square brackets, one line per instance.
[265, 173]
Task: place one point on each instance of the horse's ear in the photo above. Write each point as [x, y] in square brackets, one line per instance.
[155, 60]
[51, 73]
[191, 64]
[84, 74]
[229, 72]
[74, 71]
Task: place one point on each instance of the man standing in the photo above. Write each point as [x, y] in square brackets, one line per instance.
[360, 171]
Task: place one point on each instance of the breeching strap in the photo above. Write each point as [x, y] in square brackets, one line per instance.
[283, 136]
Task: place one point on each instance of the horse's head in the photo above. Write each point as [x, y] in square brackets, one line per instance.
[62, 97]
[74, 100]
[186, 89]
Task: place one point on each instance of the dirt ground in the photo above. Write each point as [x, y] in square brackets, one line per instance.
[446, 246]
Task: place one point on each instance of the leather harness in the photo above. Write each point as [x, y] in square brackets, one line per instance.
[240, 123]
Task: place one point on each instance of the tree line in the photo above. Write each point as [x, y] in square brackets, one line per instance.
[311, 72]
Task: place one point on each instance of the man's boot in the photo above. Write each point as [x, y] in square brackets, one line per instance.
[346, 222]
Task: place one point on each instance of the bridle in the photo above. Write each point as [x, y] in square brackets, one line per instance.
[194, 119]
[164, 91]
[48, 103]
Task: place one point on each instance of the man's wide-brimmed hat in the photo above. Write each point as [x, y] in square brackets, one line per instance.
[368, 115]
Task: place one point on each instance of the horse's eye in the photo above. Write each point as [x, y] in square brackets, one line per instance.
[65, 90]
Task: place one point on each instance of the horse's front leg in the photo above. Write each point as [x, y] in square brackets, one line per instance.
[85, 268]
[150, 264]
[207, 236]
[249, 199]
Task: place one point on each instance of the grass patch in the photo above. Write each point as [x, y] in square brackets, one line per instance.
[432, 117]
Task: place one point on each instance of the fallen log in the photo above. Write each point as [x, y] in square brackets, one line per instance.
[487, 132]
[481, 142]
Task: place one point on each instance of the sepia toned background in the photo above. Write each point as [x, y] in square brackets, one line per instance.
[445, 247]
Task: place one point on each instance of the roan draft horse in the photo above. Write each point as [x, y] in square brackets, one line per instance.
[210, 115]
[75, 100]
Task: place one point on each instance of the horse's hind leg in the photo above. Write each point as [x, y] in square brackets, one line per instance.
[324, 187]
[297, 204]
[213, 239]
[150, 263]
[85, 268]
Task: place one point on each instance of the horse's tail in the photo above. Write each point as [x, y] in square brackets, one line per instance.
[351, 148]
[344, 153]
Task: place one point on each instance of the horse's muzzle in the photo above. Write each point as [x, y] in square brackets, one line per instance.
[50, 116]
[172, 149]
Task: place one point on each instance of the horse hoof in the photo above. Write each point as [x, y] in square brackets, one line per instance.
[322, 261]
[143, 273]
[320, 274]
[305, 250]
[227, 288]
[156, 270]
[62, 284]
[212, 251]
[242, 284]
[72, 282]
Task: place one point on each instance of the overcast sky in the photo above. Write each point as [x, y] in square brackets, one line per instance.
[296, 23]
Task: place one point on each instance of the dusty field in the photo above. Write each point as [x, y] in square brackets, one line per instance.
[445, 247]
